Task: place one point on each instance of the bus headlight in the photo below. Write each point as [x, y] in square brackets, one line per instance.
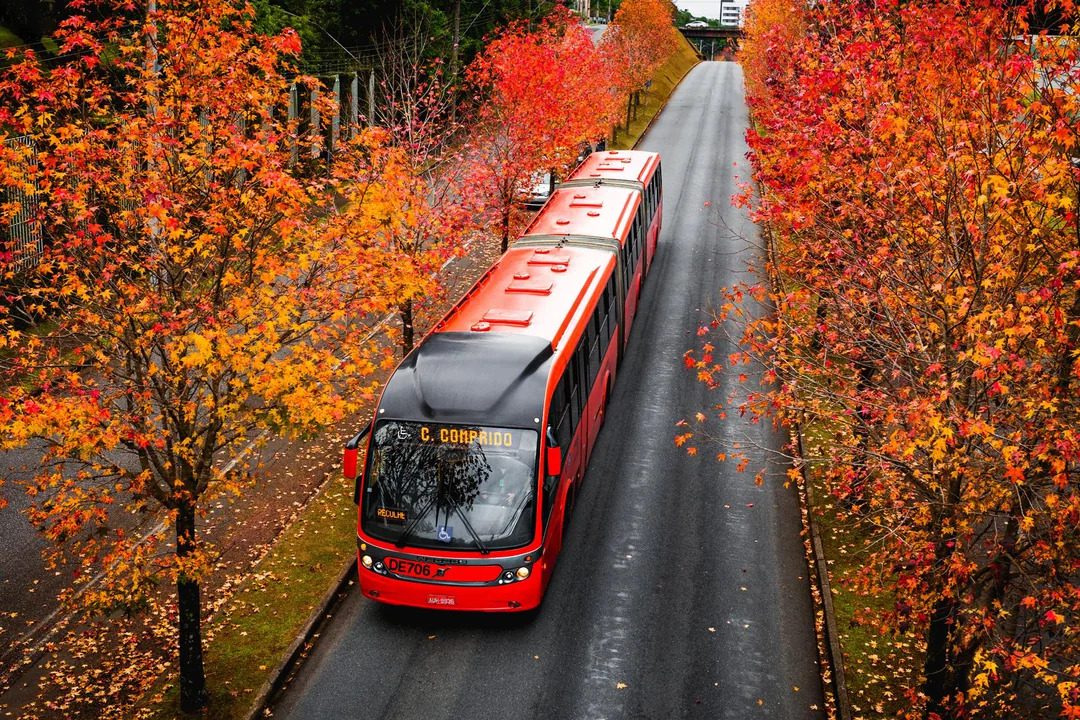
[367, 562]
[522, 573]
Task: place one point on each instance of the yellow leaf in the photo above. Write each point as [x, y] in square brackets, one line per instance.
[200, 351]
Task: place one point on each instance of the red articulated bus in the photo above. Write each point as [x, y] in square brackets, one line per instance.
[483, 433]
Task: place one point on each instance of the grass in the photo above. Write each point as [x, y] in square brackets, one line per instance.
[875, 666]
[252, 631]
[653, 99]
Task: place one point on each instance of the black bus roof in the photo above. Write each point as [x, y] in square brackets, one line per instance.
[493, 379]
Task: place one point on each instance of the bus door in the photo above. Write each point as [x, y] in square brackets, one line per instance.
[578, 372]
[652, 217]
[632, 269]
[570, 427]
[599, 362]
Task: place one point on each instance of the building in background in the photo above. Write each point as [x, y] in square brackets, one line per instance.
[733, 12]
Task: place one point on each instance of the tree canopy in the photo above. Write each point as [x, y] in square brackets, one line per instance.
[919, 186]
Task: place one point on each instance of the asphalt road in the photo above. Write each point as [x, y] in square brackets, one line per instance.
[28, 589]
[683, 589]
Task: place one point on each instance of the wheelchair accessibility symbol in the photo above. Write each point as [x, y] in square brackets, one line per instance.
[445, 533]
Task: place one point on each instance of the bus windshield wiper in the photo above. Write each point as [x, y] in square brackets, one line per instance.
[407, 533]
[469, 527]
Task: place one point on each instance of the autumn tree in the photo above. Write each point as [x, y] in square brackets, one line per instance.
[201, 289]
[416, 219]
[422, 209]
[919, 188]
[542, 94]
[638, 41]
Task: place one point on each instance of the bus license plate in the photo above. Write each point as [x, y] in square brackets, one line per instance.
[401, 566]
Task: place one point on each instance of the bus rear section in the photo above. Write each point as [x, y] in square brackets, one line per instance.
[636, 169]
[606, 216]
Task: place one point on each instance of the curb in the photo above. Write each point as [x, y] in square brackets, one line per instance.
[301, 644]
[832, 634]
[648, 125]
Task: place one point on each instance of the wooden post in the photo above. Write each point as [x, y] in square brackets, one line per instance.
[335, 124]
[294, 115]
[371, 99]
[354, 105]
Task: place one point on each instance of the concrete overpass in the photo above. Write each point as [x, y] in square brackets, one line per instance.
[713, 41]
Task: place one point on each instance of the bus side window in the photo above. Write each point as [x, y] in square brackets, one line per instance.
[604, 309]
[576, 390]
[613, 305]
[593, 335]
[560, 416]
[638, 242]
[581, 367]
[624, 254]
[635, 242]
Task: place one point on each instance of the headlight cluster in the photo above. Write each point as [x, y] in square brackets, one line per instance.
[510, 576]
[370, 564]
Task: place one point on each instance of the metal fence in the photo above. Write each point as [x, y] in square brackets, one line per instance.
[346, 89]
[24, 241]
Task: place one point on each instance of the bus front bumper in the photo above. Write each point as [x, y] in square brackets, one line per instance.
[517, 596]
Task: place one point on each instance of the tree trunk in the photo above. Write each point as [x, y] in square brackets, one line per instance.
[629, 108]
[1065, 359]
[943, 666]
[939, 676]
[193, 694]
[821, 314]
[454, 50]
[506, 227]
[864, 421]
[405, 312]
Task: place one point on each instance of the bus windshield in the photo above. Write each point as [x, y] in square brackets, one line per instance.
[451, 486]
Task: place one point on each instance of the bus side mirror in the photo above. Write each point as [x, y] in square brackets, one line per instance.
[350, 461]
[552, 455]
[553, 460]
